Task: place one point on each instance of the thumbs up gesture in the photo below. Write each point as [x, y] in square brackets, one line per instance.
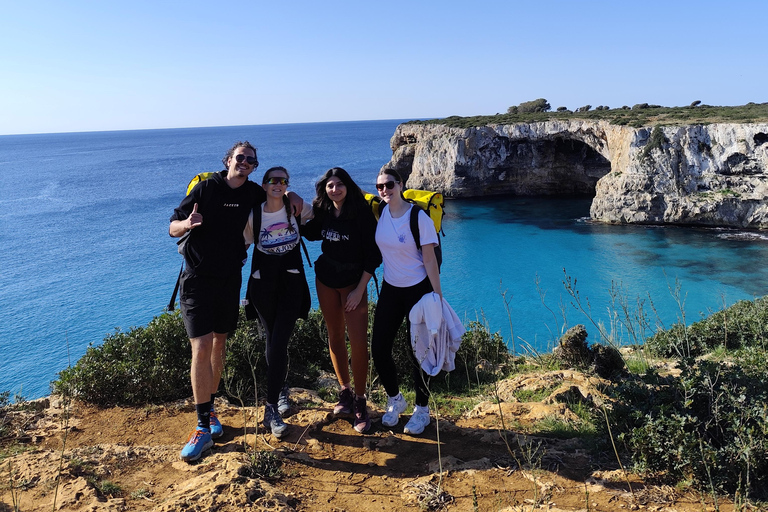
[194, 219]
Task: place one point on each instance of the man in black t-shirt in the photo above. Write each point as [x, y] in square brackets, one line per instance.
[214, 213]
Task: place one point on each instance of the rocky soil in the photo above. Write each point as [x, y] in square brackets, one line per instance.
[83, 458]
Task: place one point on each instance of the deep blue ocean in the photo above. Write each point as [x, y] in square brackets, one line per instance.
[85, 245]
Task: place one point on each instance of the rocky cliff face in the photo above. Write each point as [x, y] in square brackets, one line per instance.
[712, 175]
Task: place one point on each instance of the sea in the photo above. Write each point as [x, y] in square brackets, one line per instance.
[85, 249]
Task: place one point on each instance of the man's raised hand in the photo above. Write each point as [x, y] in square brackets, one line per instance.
[194, 219]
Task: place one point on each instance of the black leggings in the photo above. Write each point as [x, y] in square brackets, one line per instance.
[392, 308]
[279, 307]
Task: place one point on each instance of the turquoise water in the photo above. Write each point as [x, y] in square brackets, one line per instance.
[531, 247]
[84, 220]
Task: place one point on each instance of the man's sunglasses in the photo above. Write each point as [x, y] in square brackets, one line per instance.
[390, 185]
[250, 159]
[276, 181]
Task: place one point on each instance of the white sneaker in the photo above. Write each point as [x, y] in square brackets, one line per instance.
[396, 405]
[419, 420]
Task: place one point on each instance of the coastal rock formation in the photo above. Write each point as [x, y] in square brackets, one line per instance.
[713, 175]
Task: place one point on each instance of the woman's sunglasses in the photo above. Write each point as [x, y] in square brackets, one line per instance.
[250, 159]
[390, 185]
[276, 181]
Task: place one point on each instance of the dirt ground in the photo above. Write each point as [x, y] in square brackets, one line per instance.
[120, 459]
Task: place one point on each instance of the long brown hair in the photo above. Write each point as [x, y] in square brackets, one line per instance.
[352, 203]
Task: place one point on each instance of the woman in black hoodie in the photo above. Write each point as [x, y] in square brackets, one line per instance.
[346, 225]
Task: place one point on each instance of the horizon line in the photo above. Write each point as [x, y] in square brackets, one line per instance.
[212, 126]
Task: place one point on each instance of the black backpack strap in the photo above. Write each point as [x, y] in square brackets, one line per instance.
[287, 204]
[172, 304]
[256, 229]
[304, 246]
[416, 234]
[415, 225]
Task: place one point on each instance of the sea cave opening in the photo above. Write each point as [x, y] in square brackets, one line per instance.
[554, 167]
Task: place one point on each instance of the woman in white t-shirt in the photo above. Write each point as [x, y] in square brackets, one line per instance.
[409, 274]
[277, 286]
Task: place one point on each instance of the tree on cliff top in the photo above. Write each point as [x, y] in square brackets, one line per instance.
[539, 105]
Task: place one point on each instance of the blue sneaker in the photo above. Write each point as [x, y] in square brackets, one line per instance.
[273, 421]
[284, 402]
[199, 441]
[217, 430]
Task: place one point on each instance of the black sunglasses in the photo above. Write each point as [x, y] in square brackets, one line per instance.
[276, 181]
[390, 185]
[250, 159]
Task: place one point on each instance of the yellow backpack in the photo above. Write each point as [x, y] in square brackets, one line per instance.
[197, 179]
[431, 202]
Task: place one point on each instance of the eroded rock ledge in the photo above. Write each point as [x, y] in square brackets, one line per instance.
[713, 175]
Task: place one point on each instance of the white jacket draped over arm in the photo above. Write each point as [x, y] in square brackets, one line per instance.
[435, 334]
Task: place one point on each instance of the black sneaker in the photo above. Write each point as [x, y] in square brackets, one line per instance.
[345, 405]
[362, 421]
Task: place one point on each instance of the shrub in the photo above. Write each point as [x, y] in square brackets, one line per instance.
[245, 371]
[707, 427]
[742, 325]
[538, 105]
[263, 464]
[655, 141]
[562, 109]
[480, 358]
[677, 116]
[585, 108]
[144, 365]
[151, 364]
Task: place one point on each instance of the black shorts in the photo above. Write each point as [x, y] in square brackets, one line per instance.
[209, 304]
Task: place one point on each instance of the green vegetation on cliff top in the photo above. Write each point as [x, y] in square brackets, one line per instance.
[636, 116]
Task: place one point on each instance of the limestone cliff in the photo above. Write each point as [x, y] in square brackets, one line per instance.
[713, 175]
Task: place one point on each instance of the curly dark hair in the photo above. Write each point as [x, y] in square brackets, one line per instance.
[240, 144]
[354, 201]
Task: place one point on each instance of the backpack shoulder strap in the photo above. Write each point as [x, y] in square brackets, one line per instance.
[199, 177]
[256, 229]
[172, 304]
[287, 204]
[415, 225]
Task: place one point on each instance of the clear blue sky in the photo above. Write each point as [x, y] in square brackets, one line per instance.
[82, 65]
